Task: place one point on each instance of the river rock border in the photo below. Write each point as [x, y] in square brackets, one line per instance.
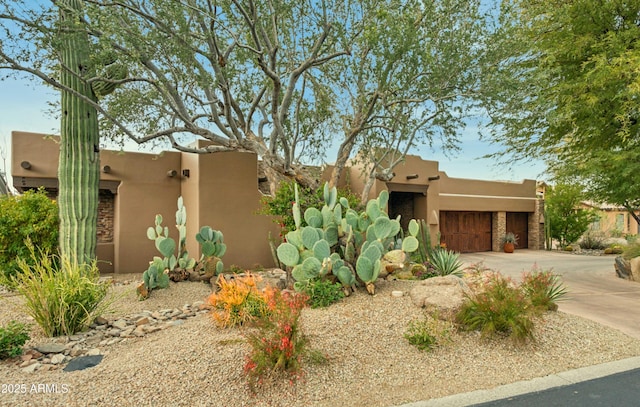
[102, 334]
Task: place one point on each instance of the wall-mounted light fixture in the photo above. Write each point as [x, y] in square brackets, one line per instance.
[172, 173]
[186, 173]
[106, 169]
[437, 177]
[26, 165]
[263, 179]
[412, 176]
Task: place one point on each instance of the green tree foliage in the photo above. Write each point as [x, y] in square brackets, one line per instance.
[412, 78]
[280, 205]
[31, 215]
[608, 177]
[567, 220]
[386, 73]
[568, 86]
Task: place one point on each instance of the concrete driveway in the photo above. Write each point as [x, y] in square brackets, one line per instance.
[594, 290]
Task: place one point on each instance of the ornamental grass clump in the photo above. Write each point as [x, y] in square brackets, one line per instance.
[543, 289]
[501, 308]
[237, 301]
[62, 295]
[277, 344]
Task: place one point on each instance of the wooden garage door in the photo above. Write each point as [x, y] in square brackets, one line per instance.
[518, 223]
[466, 232]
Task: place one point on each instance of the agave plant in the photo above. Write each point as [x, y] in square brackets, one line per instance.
[446, 262]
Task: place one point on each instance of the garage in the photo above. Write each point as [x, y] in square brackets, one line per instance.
[466, 232]
[518, 224]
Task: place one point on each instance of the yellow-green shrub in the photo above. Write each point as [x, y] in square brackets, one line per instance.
[33, 216]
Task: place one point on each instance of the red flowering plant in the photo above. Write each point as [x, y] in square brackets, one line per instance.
[277, 343]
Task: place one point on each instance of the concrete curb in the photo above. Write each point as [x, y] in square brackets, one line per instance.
[533, 385]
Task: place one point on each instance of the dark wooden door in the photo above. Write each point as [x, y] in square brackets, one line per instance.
[518, 223]
[466, 232]
[401, 203]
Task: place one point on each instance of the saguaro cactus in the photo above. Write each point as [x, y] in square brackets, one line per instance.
[79, 165]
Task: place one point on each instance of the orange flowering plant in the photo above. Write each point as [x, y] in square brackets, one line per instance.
[237, 301]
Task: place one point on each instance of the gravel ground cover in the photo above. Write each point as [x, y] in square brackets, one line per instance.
[369, 361]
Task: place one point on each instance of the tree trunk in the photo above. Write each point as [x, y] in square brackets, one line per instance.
[344, 152]
[364, 198]
[79, 164]
[634, 216]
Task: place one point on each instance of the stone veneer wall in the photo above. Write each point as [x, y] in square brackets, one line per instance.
[536, 226]
[498, 229]
[106, 205]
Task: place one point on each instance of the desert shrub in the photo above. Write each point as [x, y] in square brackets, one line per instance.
[500, 309]
[323, 292]
[12, 338]
[445, 262]
[592, 241]
[543, 289]
[614, 249]
[237, 301]
[33, 216]
[278, 344]
[62, 296]
[280, 205]
[631, 251]
[428, 333]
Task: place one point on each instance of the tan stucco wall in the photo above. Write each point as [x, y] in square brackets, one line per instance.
[221, 191]
[228, 199]
[144, 191]
[458, 194]
[39, 150]
[608, 221]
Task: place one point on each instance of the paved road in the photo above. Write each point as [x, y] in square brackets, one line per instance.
[595, 292]
[619, 390]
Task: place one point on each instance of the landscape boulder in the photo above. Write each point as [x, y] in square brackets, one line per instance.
[441, 296]
[635, 269]
[628, 269]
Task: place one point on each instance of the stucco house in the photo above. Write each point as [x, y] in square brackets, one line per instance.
[612, 220]
[221, 190]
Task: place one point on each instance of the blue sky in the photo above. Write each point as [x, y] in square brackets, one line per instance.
[23, 107]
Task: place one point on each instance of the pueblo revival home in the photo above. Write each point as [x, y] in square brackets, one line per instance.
[221, 190]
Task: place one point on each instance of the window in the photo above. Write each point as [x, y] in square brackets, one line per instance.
[620, 222]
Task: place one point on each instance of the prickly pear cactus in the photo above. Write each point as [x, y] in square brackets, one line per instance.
[212, 246]
[181, 266]
[156, 276]
[356, 242]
